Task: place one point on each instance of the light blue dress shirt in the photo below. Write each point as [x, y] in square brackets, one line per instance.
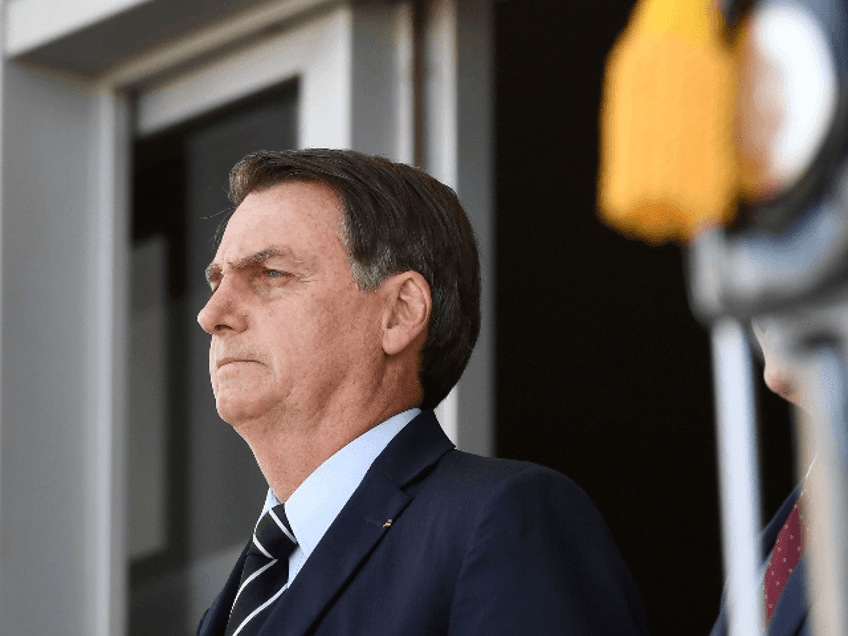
[317, 502]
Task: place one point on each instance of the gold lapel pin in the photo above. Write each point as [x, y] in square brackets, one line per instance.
[387, 524]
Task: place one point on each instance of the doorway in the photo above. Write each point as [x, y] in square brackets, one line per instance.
[194, 486]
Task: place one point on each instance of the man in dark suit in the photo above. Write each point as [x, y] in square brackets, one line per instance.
[344, 308]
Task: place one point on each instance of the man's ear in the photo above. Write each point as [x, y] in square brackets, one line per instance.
[407, 310]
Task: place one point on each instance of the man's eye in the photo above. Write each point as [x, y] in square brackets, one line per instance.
[276, 274]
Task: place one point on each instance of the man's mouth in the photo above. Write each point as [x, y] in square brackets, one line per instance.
[233, 360]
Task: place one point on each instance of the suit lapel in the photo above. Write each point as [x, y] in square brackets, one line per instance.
[354, 535]
[214, 622]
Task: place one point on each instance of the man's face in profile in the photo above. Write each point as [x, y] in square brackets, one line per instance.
[292, 334]
[778, 374]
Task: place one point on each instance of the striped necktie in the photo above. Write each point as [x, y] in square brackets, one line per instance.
[265, 574]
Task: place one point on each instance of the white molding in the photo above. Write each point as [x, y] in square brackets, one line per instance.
[61, 488]
[4, 9]
[440, 137]
[206, 41]
[447, 413]
[32, 23]
[458, 150]
[324, 109]
[440, 92]
[108, 300]
[404, 37]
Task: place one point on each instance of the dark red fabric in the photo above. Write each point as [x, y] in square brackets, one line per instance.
[784, 558]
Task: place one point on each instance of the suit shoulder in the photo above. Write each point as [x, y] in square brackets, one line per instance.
[486, 479]
[475, 470]
[531, 535]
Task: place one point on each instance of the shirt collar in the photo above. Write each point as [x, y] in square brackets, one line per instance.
[316, 503]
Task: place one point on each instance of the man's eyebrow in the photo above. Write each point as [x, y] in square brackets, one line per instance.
[260, 257]
[213, 272]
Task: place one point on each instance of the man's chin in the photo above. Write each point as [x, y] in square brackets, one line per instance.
[237, 412]
[242, 408]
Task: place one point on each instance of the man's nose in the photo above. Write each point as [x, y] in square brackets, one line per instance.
[221, 311]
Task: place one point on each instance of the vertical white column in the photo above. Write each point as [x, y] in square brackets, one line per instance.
[403, 36]
[440, 131]
[739, 482]
[63, 213]
[381, 80]
[46, 479]
[3, 21]
[108, 271]
[459, 151]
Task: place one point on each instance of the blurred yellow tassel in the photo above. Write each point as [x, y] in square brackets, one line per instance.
[667, 165]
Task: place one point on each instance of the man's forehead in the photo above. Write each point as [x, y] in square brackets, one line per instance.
[287, 212]
[288, 202]
[298, 193]
[296, 220]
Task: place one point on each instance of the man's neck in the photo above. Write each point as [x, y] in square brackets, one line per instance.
[288, 452]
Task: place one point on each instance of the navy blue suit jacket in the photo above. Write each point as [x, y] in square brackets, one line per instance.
[437, 541]
[790, 614]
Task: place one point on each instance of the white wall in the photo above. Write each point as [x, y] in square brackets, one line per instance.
[54, 442]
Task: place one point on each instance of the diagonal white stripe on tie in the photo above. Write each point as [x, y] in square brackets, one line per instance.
[259, 609]
[261, 547]
[282, 526]
[249, 579]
